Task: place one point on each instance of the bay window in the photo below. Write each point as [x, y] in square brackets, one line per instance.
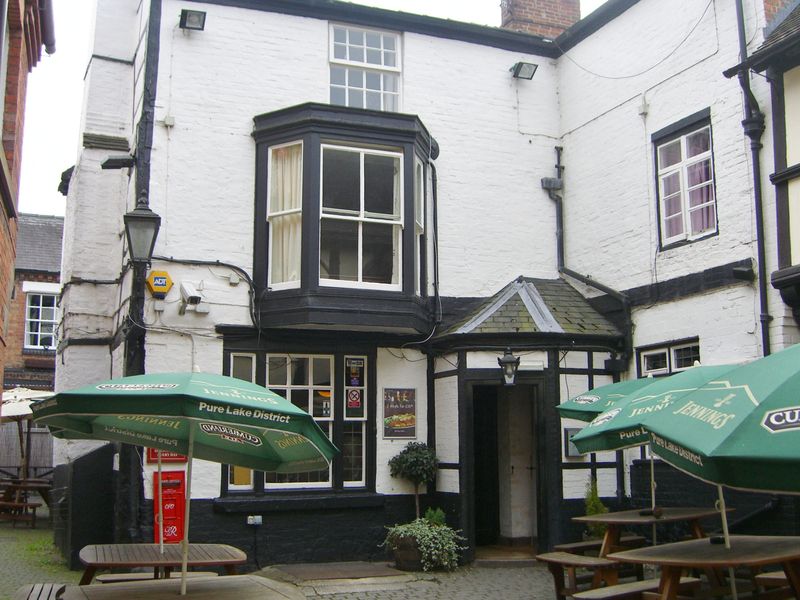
[285, 214]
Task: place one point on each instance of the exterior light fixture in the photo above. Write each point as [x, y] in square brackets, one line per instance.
[193, 19]
[523, 70]
[141, 229]
[509, 365]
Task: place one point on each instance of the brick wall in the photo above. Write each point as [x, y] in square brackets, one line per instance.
[547, 18]
[772, 7]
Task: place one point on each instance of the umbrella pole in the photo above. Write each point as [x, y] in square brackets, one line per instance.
[160, 513]
[22, 469]
[653, 491]
[727, 536]
[185, 557]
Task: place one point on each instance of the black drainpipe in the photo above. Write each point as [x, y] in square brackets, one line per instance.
[553, 184]
[753, 125]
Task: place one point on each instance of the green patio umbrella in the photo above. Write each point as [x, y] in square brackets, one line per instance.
[743, 433]
[588, 405]
[200, 415]
[622, 425]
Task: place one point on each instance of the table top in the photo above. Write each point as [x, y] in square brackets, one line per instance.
[150, 555]
[745, 550]
[635, 516]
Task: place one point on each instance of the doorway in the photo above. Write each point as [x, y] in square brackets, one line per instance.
[504, 454]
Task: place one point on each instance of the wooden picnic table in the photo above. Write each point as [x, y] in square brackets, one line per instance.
[15, 505]
[114, 556]
[616, 522]
[752, 551]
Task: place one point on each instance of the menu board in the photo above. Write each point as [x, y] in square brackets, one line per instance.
[399, 413]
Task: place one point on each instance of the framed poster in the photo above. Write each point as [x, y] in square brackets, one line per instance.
[400, 413]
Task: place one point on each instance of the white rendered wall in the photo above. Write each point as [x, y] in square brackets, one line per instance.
[399, 368]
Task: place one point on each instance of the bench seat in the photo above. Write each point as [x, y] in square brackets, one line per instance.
[40, 591]
[634, 589]
[628, 541]
[19, 511]
[125, 577]
[566, 563]
[771, 579]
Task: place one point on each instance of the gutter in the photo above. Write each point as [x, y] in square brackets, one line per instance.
[552, 185]
[48, 26]
[753, 125]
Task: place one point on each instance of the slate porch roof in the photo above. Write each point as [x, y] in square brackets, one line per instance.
[782, 42]
[39, 243]
[529, 306]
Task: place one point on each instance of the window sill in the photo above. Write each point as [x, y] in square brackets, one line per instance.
[280, 502]
[688, 241]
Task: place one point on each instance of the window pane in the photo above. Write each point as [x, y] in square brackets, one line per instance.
[353, 451]
[674, 226]
[285, 245]
[702, 195]
[390, 83]
[338, 96]
[322, 404]
[699, 173]
[240, 476]
[374, 57]
[655, 362]
[355, 98]
[242, 367]
[276, 371]
[698, 142]
[672, 206]
[300, 399]
[338, 75]
[703, 219]
[340, 35]
[373, 101]
[355, 78]
[671, 184]
[338, 250]
[299, 371]
[356, 54]
[388, 42]
[390, 102]
[373, 81]
[322, 371]
[683, 358]
[373, 40]
[389, 59]
[669, 154]
[356, 37]
[340, 51]
[341, 180]
[379, 253]
[380, 185]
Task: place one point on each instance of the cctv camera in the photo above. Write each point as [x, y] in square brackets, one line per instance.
[189, 293]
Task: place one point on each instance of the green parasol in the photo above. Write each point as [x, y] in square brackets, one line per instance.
[200, 415]
[588, 405]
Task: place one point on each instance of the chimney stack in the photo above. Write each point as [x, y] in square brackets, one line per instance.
[547, 18]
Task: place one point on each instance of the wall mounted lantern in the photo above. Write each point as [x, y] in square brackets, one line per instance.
[194, 20]
[509, 365]
[523, 70]
[141, 229]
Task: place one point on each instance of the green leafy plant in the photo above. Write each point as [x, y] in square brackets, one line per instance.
[417, 463]
[435, 516]
[594, 506]
[438, 545]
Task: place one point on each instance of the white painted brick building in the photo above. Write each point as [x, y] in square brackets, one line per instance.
[449, 255]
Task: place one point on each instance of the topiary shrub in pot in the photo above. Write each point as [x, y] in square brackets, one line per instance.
[417, 463]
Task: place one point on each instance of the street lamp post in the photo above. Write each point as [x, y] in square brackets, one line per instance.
[141, 229]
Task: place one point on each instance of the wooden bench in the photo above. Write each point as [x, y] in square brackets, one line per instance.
[19, 511]
[124, 577]
[604, 571]
[771, 579]
[40, 591]
[626, 542]
[634, 589]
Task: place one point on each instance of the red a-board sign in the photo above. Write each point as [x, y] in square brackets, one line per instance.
[166, 457]
[173, 503]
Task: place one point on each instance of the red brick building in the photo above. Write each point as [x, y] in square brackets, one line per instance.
[26, 26]
[31, 336]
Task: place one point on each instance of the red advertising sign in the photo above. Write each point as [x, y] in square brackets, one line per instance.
[173, 503]
[166, 457]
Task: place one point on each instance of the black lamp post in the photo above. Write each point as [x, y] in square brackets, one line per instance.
[509, 365]
[141, 229]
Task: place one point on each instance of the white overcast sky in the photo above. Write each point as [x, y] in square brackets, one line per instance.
[55, 90]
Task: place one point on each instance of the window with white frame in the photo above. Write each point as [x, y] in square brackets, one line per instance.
[364, 68]
[307, 382]
[242, 366]
[41, 320]
[285, 214]
[668, 359]
[687, 200]
[361, 218]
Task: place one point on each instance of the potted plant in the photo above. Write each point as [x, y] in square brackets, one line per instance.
[417, 463]
[426, 543]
